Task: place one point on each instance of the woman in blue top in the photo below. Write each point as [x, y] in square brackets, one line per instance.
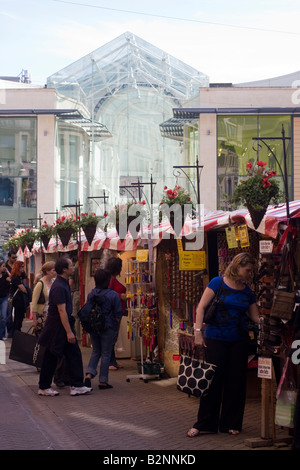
[226, 345]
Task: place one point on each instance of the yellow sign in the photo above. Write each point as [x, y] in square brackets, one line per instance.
[243, 236]
[142, 255]
[231, 237]
[192, 260]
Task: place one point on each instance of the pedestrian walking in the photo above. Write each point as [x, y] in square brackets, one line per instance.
[114, 266]
[40, 296]
[102, 343]
[225, 344]
[20, 294]
[11, 259]
[58, 335]
[4, 290]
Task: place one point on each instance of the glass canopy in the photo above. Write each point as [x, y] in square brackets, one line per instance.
[131, 87]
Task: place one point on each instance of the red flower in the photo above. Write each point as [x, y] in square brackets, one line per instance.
[260, 163]
[272, 173]
[249, 166]
[266, 183]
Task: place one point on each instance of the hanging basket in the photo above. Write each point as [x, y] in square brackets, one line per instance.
[256, 215]
[30, 246]
[45, 241]
[89, 232]
[65, 235]
[133, 233]
[177, 220]
[118, 231]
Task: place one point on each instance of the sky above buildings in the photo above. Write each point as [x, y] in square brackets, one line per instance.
[230, 41]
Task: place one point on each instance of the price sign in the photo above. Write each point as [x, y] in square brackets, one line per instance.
[264, 368]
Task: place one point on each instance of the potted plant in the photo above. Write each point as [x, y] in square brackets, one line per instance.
[45, 233]
[65, 227]
[258, 191]
[88, 223]
[182, 202]
[27, 237]
[123, 214]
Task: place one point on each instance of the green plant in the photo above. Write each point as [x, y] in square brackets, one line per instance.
[87, 219]
[45, 230]
[122, 210]
[259, 190]
[26, 237]
[65, 222]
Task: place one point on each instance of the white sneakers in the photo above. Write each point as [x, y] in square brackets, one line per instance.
[80, 390]
[49, 392]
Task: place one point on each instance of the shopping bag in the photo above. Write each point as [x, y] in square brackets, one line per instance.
[194, 376]
[25, 349]
[286, 397]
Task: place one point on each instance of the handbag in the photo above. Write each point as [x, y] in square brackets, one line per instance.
[10, 299]
[42, 299]
[194, 376]
[25, 349]
[213, 306]
[283, 304]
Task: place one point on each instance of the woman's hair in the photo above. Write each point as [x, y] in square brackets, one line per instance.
[2, 262]
[240, 260]
[47, 267]
[114, 266]
[102, 278]
[16, 269]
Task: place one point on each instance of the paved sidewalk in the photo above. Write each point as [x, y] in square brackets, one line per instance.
[132, 416]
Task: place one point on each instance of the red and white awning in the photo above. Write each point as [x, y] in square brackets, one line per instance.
[211, 221]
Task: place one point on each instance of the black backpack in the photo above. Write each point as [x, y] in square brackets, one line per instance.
[92, 318]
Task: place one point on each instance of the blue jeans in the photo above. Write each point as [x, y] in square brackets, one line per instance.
[3, 315]
[102, 345]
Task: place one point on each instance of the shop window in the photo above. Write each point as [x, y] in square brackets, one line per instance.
[236, 148]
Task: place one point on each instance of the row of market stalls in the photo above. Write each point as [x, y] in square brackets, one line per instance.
[164, 283]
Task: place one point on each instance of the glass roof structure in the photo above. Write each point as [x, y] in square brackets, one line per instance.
[130, 87]
[126, 61]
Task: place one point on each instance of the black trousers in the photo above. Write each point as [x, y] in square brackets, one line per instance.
[74, 365]
[223, 406]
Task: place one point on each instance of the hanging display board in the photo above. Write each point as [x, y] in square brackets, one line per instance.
[192, 260]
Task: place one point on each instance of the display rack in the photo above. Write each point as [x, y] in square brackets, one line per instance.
[142, 315]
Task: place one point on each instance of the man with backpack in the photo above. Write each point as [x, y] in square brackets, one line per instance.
[107, 313]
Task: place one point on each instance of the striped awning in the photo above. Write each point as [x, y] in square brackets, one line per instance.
[211, 221]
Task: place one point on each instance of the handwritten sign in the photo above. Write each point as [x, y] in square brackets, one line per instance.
[192, 260]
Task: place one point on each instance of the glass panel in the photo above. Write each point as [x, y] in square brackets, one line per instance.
[236, 148]
[18, 169]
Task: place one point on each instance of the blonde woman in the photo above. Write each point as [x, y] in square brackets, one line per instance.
[225, 344]
[40, 296]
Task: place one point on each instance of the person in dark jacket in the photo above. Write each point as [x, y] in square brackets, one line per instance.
[111, 307]
[20, 294]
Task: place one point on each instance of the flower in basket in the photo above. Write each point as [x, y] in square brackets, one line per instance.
[27, 238]
[64, 227]
[123, 215]
[131, 208]
[87, 219]
[88, 223]
[176, 204]
[258, 191]
[45, 230]
[45, 233]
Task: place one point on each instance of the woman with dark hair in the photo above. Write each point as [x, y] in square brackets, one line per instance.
[114, 266]
[102, 343]
[18, 291]
[225, 343]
